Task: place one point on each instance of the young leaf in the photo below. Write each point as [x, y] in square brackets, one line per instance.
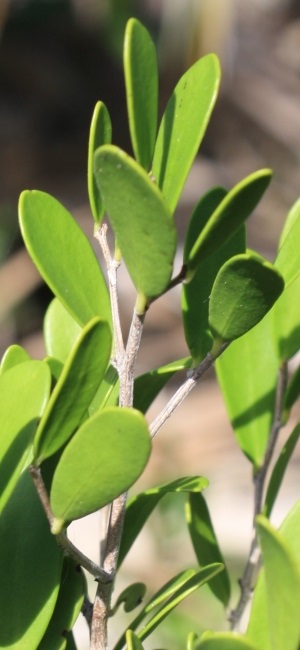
[205, 543]
[147, 386]
[133, 642]
[140, 507]
[14, 355]
[24, 391]
[61, 331]
[279, 470]
[30, 569]
[131, 597]
[288, 260]
[63, 256]
[196, 292]
[74, 390]
[247, 374]
[183, 126]
[243, 292]
[103, 459]
[67, 608]
[140, 218]
[100, 133]
[226, 641]
[228, 216]
[141, 80]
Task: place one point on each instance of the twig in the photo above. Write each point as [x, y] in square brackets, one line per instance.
[128, 368]
[178, 279]
[253, 561]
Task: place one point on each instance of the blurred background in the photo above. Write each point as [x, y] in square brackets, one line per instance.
[57, 58]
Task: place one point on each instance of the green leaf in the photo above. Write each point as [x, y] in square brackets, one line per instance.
[228, 216]
[100, 133]
[68, 605]
[14, 355]
[103, 459]
[140, 507]
[30, 569]
[133, 642]
[141, 80]
[286, 321]
[140, 218]
[282, 579]
[226, 641]
[74, 390]
[24, 391]
[63, 256]
[247, 374]
[147, 386]
[206, 544]
[108, 391]
[61, 331]
[288, 259]
[56, 368]
[196, 293]
[243, 292]
[291, 395]
[279, 470]
[131, 597]
[183, 126]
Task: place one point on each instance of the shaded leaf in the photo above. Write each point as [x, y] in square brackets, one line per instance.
[228, 216]
[100, 133]
[140, 507]
[24, 391]
[286, 321]
[279, 470]
[206, 544]
[108, 391]
[131, 597]
[61, 331]
[140, 218]
[63, 256]
[141, 80]
[74, 390]
[292, 394]
[288, 258]
[133, 642]
[183, 126]
[14, 355]
[147, 386]
[103, 459]
[243, 292]
[30, 569]
[226, 641]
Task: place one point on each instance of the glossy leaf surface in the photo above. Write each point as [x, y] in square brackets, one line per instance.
[14, 355]
[279, 470]
[63, 256]
[100, 133]
[67, 608]
[229, 215]
[141, 80]
[225, 641]
[74, 390]
[147, 386]
[205, 544]
[243, 292]
[140, 218]
[247, 374]
[61, 331]
[140, 507]
[103, 459]
[24, 391]
[183, 126]
[30, 569]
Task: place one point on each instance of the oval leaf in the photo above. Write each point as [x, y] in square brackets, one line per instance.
[230, 214]
[30, 569]
[24, 391]
[288, 260]
[14, 354]
[142, 223]
[61, 331]
[225, 641]
[74, 390]
[100, 133]
[141, 80]
[63, 256]
[103, 459]
[243, 292]
[183, 126]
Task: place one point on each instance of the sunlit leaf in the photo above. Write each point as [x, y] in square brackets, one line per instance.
[288, 257]
[74, 390]
[103, 459]
[108, 391]
[286, 321]
[60, 331]
[30, 569]
[206, 544]
[225, 641]
[133, 642]
[100, 133]
[14, 355]
[292, 394]
[141, 80]
[140, 218]
[147, 386]
[183, 126]
[63, 256]
[24, 391]
[279, 470]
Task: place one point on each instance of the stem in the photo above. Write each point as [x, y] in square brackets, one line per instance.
[178, 279]
[253, 561]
